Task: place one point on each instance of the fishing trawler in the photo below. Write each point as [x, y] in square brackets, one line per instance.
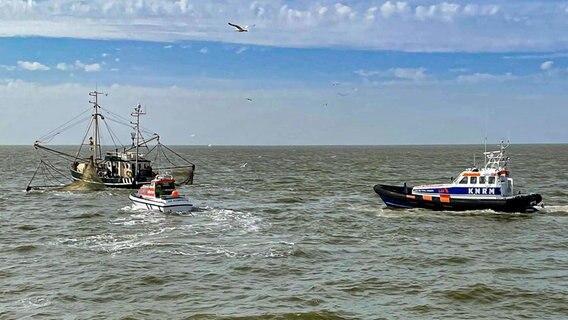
[118, 166]
[160, 195]
[490, 187]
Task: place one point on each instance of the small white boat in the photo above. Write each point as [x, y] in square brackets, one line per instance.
[160, 195]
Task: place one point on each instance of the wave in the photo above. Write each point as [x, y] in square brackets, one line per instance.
[314, 315]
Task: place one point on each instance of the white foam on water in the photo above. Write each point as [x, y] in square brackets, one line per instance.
[113, 243]
[553, 209]
[232, 219]
[34, 303]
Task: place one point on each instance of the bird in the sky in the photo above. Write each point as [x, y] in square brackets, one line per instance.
[239, 28]
[249, 99]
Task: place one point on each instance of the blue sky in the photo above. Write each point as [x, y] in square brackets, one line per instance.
[316, 72]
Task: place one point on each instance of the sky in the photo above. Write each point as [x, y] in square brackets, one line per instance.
[352, 72]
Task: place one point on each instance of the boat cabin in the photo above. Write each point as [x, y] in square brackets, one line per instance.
[161, 186]
[124, 164]
[485, 181]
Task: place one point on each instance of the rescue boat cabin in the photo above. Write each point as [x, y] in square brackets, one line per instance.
[163, 186]
[491, 181]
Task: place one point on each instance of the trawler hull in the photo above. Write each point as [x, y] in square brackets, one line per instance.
[402, 197]
[113, 182]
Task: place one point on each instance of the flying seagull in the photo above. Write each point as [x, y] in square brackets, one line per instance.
[249, 99]
[239, 28]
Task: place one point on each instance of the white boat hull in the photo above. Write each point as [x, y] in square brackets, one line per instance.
[170, 204]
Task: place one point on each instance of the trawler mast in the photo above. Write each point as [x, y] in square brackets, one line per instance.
[137, 113]
[96, 134]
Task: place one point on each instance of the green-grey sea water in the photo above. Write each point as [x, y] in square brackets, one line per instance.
[287, 233]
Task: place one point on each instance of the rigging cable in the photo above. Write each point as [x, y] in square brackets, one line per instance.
[63, 127]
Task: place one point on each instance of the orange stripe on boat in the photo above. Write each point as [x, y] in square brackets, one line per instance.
[445, 198]
[471, 174]
[427, 198]
[409, 196]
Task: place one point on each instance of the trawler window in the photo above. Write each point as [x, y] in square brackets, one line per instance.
[473, 180]
[482, 180]
[463, 180]
[491, 180]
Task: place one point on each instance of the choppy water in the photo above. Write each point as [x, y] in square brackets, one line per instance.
[296, 233]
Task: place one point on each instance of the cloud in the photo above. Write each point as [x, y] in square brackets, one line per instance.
[370, 13]
[485, 77]
[78, 65]
[389, 9]
[7, 67]
[344, 11]
[409, 73]
[406, 74]
[538, 56]
[32, 66]
[439, 25]
[459, 70]
[445, 11]
[203, 50]
[547, 65]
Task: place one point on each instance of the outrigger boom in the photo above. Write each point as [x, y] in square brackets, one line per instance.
[120, 166]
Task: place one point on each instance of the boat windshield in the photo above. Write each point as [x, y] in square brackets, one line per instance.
[165, 188]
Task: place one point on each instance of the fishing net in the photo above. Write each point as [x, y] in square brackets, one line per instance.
[90, 182]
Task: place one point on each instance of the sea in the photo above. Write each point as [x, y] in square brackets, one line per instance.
[287, 232]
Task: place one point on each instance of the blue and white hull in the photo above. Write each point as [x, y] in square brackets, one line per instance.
[401, 197]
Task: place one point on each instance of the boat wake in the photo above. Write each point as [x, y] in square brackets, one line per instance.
[556, 210]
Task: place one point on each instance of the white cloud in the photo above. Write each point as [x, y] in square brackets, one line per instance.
[94, 67]
[370, 14]
[547, 65]
[539, 56]
[203, 50]
[459, 70]
[384, 25]
[407, 74]
[257, 8]
[445, 11]
[78, 65]
[8, 68]
[344, 11]
[482, 10]
[63, 66]
[485, 77]
[389, 9]
[32, 66]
